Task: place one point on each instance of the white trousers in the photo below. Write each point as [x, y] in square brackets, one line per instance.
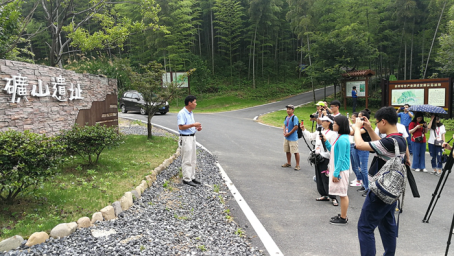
[188, 157]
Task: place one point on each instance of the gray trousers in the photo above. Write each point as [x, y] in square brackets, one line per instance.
[188, 157]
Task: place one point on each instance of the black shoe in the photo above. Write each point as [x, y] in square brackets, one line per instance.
[365, 193]
[339, 221]
[336, 217]
[190, 183]
[196, 182]
[361, 189]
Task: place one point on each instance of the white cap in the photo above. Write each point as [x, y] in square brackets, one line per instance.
[326, 118]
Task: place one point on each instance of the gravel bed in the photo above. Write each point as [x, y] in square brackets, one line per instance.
[142, 130]
[169, 219]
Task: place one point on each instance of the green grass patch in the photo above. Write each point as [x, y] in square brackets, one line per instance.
[224, 103]
[78, 190]
[229, 100]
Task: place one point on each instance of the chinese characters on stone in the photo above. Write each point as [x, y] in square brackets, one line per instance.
[17, 88]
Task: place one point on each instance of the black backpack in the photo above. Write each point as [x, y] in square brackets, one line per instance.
[299, 131]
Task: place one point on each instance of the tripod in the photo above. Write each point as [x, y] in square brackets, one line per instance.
[439, 188]
[450, 236]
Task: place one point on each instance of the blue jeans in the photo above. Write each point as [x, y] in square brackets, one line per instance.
[419, 155]
[409, 142]
[363, 157]
[375, 213]
[435, 153]
[355, 162]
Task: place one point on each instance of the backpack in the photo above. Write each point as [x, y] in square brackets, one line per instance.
[299, 131]
[390, 181]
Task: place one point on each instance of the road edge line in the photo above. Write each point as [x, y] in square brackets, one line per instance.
[264, 236]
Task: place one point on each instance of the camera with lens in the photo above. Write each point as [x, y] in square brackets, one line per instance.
[402, 108]
[311, 116]
[319, 129]
[362, 119]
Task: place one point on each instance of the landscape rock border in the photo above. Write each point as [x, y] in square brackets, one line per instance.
[107, 213]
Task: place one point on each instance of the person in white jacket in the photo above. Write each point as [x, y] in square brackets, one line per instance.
[322, 167]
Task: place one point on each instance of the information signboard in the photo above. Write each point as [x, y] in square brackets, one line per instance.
[360, 88]
[178, 77]
[434, 92]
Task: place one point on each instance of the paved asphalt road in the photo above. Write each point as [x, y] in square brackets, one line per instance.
[284, 199]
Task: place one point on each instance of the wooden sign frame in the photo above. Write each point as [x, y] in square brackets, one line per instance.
[437, 92]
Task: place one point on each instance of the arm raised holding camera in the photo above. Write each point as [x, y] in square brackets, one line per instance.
[445, 145]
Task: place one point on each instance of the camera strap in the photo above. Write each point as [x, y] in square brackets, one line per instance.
[307, 144]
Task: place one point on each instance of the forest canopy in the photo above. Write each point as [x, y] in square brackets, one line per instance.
[248, 42]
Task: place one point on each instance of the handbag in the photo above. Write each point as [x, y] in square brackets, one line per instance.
[438, 143]
[418, 139]
[388, 183]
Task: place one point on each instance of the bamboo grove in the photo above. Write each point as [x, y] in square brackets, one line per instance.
[246, 42]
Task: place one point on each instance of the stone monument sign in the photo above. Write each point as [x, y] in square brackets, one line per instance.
[46, 99]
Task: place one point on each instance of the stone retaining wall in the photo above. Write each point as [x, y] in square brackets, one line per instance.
[24, 108]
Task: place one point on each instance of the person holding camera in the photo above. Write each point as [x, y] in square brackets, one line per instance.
[405, 119]
[417, 129]
[436, 140]
[322, 110]
[445, 145]
[376, 213]
[358, 182]
[318, 113]
[320, 149]
[363, 155]
[339, 167]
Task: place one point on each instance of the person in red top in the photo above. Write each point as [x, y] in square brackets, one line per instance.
[417, 129]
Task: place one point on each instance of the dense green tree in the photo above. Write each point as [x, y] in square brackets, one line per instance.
[181, 20]
[228, 19]
[12, 30]
[256, 40]
[445, 54]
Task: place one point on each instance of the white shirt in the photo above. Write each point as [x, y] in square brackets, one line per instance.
[400, 129]
[330, 135]
[436, 134]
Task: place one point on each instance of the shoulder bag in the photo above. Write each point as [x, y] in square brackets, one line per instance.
[389, 182]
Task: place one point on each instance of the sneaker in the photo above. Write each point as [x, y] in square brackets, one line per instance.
[355, 184]
[425, 170]
[362, 189]
[438, 174]
[417, 170]
[315, 179]
[432, 172]
[335, 217]
[365, 193]
[339, 221]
